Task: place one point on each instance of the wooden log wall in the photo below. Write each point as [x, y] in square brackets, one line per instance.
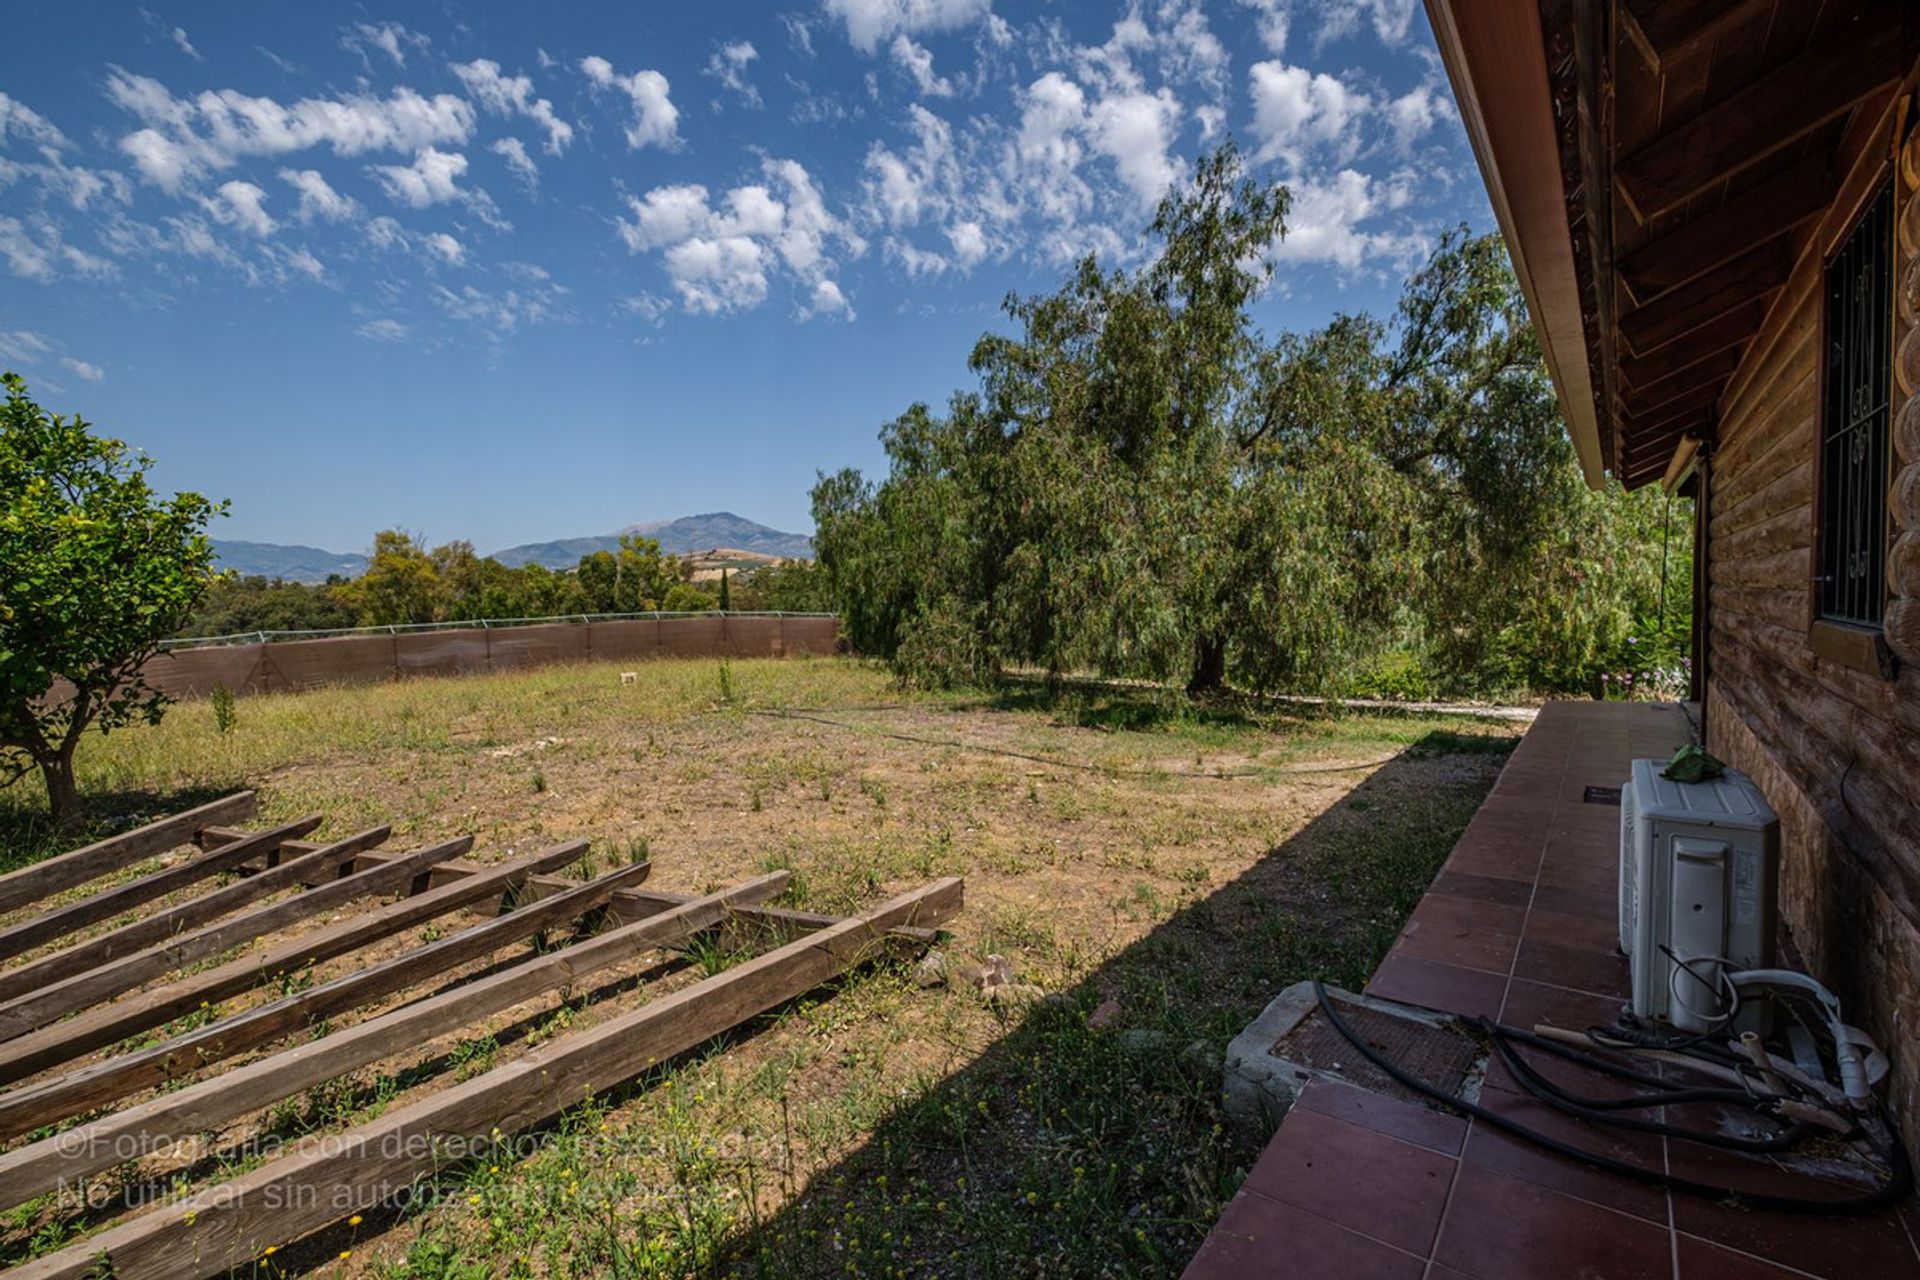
[1903, 563]
[1835, 744]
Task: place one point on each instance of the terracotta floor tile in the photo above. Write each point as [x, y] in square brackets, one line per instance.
[1850, 1246]
[1446, 987]
[1356, 1178]
[1579, 968]
[1476, 935]
[1494, 1149]
[1597, 934]
[1699, 1260]
[1413, 1122]
[1499, 890]
[1257, 1237]
[1598, 902]
[1500, 1227]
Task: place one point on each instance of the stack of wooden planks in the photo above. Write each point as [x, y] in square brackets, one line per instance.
[73, 1114]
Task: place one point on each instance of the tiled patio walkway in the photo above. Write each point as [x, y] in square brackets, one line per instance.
[1522, 924]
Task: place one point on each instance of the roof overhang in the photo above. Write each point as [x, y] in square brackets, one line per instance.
[1494, 54]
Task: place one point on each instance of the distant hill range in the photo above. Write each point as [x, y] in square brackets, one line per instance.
[295, 563]
[716, 530]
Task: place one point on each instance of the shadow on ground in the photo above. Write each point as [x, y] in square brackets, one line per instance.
[1090, 1140]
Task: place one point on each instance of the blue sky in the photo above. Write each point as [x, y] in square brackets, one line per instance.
[520, 272]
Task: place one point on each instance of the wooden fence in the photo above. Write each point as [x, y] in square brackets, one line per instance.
[280, 666]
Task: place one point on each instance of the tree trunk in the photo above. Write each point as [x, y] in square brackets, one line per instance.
[63, 794]
[1209, 666]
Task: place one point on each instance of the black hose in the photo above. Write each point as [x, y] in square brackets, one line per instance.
[1900, 1170]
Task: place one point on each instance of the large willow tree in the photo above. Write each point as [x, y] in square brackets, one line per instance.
[1143, 485]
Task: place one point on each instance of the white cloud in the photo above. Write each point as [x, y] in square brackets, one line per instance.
[1135, 131]
[432, 178]
[514, 152]
[502, 312]
[721, 257]
[1297, 111]
[242, 205]
[185, 138]
[656, 121]
[729, 65]
[18, 120]
[870, 23]
[1390, 19]
[83, 368]
[917, 61]
[513, 96]
[318, 199]
[389, 38]
[1272, 19]
[827, 300]
[23, 345]
[446, 248]
[40, 252]
[1416, 111]
[385, 329]
[180, 42]
[924, 181]
[1324, 223]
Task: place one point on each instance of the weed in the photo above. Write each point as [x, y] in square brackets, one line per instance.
[224, 716]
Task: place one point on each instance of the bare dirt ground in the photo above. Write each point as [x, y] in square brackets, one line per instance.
[1157, 871]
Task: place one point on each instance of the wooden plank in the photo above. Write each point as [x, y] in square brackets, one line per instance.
[1731, 330]
[1781, 107]
[24, 1110]
[628, 906]
[108, 903]
[37, 974]
[1712, 370]
[1746, 221]
[111, 1023]
[19, 1016]
[1670, 31]
[1675, 314]
[230, 1224]
[42, 879]
[31, 1170]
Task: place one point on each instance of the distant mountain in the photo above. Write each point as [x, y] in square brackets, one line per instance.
[676, 537]
[688, 534]
[295, 563]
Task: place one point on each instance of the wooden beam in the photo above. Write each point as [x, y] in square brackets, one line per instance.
[17, 1017]
[45, 926]
[627, 906]
[38, 1167]
[1780, 108]
[1645, 399]
[1731, 330]
[37, 975]
[111, 1023]
[1690, 405]
[1733, 284]
[43, 879]
[1748, 219]
[1670, 31]
[70, 1093]
[230, 1224]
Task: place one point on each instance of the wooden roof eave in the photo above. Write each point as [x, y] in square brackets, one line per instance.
[1492, 50]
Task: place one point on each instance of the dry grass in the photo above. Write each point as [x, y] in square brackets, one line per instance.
[1180, 863]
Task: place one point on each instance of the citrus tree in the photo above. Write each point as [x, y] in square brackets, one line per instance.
[96, 568]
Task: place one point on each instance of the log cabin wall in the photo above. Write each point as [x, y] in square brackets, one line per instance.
[1828, 726]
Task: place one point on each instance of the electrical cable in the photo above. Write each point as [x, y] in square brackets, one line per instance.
[1899, 1171]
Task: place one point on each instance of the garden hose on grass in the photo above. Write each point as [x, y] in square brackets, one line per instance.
[1872, 1125]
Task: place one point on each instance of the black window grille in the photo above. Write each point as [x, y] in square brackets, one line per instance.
[1854, 431]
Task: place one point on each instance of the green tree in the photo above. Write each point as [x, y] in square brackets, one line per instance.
[401, 584]
[726, 595]
[96, 569]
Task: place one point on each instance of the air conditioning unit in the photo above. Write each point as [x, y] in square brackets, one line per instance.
[1698, 866]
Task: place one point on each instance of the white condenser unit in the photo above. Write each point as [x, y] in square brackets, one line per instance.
[1698, 865]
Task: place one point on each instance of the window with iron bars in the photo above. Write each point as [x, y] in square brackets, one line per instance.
[1854, 429]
